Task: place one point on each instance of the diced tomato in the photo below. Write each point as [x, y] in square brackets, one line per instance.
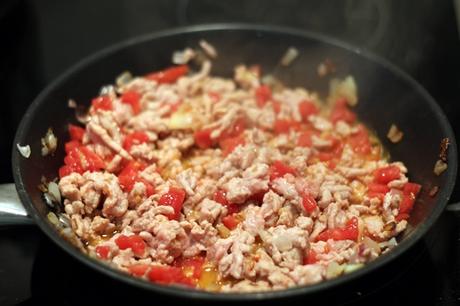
[306, 109]
[103, 251]
[276, 107]
[69, 146]
[102, 103]
[134, 138]
[215, 96]
[175, 198]
[149, 189]
[340, 111]
[230, 222]
[310, 258]
[203, 138]
[220, 196]
[412, 188]
[129, 175]
[64, 171]
[386, 174]
[94, 162]
[359, 141]
[169, 75]
[304, 139]
[236, 129]
[279, 169]
[403, 216]
[134, 242]
[168, 275]
[309, 203]
[138, 269]
[229, 144]
[193, 265]
[283, 126]
[379, 188]
[80, 159]
[263, 94]
[76, 132]
[349, 232]
[257, 197]
[132, 98]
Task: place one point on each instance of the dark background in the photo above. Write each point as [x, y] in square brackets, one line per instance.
[41, 39]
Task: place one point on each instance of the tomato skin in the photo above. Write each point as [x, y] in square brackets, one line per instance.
[359, 141]
[349, 232]
[132, 98]
[309, 203]
[229, 144]
[134, 138]
[175, 198]
[283, 126]
[79, 159]
[310, 258]
[76, 132]
[230, 222]
[169, 75]
[102, 103]
[263, 94]
[69, 146]
[203, 138]
[64, 171]
[279, 169]
[103, 251]
[220, 196]
[340, 111]
[386, 174]
[138, 269]
[306, 109]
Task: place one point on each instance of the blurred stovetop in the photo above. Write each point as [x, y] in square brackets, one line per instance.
[40, 39]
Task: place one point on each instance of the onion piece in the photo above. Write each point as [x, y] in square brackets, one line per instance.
[433, 191]
[394, 134]
[290, 55]
[53, 189]
[371, 244]
[439, 167]
[333, 270]
[71, 103]
[49, 143]
[352, 267]
[208, 48]
[124, 78]
[183, 57]
[25, 151]
[345, 88]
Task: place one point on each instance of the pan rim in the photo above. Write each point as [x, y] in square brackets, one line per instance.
[444, 193]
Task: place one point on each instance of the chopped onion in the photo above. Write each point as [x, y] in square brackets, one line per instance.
[107, 90]
[345, 88]
[183, 57]
[71, 103]
[290, 55]
[53, 189]
[24, 150]
[433, 191]
[208, 48]
[371, 244]
[352, 267]
[333, 270]
[394, 134]
[124, 78]
[64, 220]
[53, 219]
[224, 232]
[439, 167]
[49, 143]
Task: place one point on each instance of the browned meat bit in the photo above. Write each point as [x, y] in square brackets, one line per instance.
[445, 142]
[433, 191]
[394, 134]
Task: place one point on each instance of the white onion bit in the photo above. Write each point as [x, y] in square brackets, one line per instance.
[208, 48]
[439, 167]
[24, 150]
[290, 55]
[53, 189]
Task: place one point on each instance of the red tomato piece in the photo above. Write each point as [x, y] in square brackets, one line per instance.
[76, 132]
[137, 245]
[103, 251]
[230, 222]
[129, 175]
[149, 189]
[175, 198]
[195, 264]
[123, 242]
[102, 103]
[283, 126]
[412, 188]
[138, 269]
[406, 204]
[229, 144]
[64, 171]
[304, 139]
[169, 75]
[236, 129]
[340, 111]
[349, 232]
[306, 109]
[263, 94]
[359, 141]
[257, 197]
[309, 203]
[134, 138]
[379, 188]
[94, 162]
[220, 196]
[386, 174]
[401, 216]
[69, 146]
[279, 169]
[168, 275]
[203, 138]
[310, 258]
[215, 96]
[276, 107]
[132, 98]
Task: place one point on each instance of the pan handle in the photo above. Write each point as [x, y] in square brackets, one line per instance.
[12, 211]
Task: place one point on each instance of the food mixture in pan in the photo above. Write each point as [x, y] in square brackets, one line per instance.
[230, 185]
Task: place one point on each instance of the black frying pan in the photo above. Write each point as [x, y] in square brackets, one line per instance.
[387, 95]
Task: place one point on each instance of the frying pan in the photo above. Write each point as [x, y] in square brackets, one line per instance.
[386, 95]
